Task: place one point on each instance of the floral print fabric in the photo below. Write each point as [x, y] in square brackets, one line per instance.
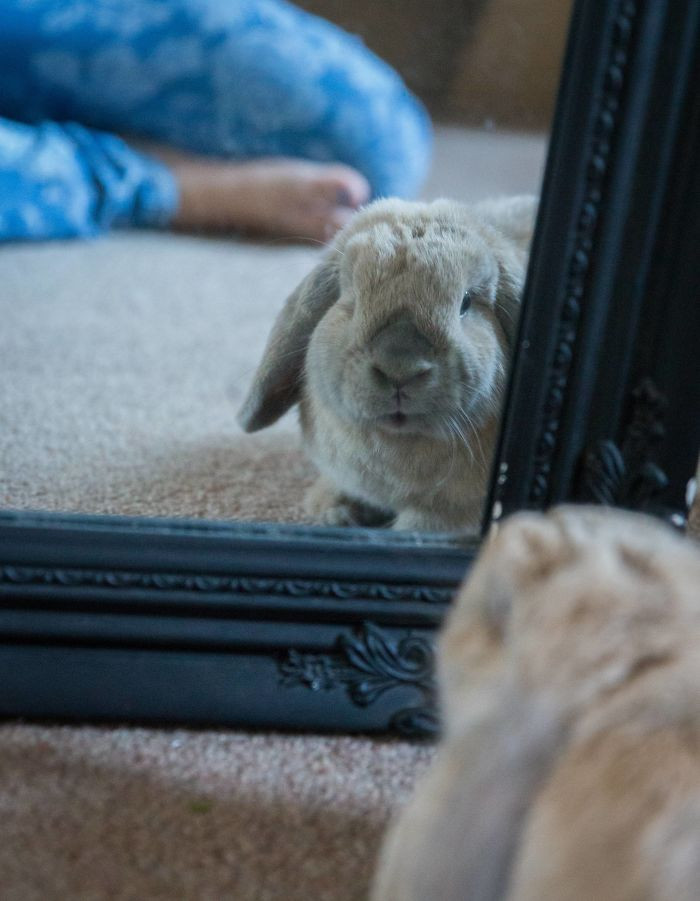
[233, 78]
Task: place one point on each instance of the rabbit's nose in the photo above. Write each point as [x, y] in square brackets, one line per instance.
[400, 354]
[408, 372]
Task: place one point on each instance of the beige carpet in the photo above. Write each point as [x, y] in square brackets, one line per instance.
[121, 364]
[134, 814]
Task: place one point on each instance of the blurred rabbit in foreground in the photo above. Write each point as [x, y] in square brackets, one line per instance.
[570, 685]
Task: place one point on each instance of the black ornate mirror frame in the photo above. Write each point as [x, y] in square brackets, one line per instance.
[267, 626]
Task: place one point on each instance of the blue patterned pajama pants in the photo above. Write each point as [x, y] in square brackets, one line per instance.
[231, 78]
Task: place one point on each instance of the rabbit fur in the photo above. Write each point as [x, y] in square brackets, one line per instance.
[569, 770]
[400, 395]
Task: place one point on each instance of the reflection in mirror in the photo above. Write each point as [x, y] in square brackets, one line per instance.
[126, 352]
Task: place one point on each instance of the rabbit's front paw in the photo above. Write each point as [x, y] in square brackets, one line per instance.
[329, 507]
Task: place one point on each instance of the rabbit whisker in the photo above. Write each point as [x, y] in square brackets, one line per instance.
[453, 455]
[464, 417]
[459, 433]
[284, 239]
[506, 312]
[316, 242]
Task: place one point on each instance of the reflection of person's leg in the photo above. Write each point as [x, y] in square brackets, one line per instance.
[64, 181]
[249, 80]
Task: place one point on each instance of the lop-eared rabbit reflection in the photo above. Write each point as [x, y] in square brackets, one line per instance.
[396, 348]
[570, 686]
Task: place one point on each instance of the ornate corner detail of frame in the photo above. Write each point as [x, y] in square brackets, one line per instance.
[626, 475]
[605, 123]
[212, 584]
[367, 664]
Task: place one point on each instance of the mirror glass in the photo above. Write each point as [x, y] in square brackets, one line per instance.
[141, 269]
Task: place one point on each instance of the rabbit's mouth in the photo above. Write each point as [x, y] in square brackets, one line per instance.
[394, 421]
[401, 423]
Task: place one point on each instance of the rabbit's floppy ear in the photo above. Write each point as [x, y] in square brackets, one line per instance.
[513, 217]
[277, 383]
[507, 308]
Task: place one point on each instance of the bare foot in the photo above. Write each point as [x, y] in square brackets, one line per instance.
[275, 196]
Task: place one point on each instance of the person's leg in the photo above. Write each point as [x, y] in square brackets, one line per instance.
[244, 80]
[65, 181]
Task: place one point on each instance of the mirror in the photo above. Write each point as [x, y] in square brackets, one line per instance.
[208, 615]
[128, 356]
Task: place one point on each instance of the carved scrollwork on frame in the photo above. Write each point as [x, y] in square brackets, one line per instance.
[626, 475]
[606, 118]
[368, 664]
[213, 584]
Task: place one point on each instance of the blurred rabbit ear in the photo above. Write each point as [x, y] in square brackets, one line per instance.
[277, 383]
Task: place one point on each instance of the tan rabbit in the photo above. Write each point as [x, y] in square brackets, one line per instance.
[570, 683]
[396, 348]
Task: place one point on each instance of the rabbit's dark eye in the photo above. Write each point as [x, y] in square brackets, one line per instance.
[466, 303]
